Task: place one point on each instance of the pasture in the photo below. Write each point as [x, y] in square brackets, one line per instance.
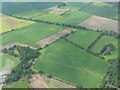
[83, 37]
[71, 64]
[100, 23]
[30, 34]
[7, 62]
[9, 23]
[101, 9]
[104, 40]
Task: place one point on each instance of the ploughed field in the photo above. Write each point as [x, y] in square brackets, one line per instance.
[71, 64]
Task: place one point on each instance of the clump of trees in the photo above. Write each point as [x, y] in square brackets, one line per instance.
[27, 56]
[61, 5]
[112, 76]
[107, 49]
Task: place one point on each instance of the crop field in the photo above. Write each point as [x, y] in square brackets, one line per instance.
[83, 37]
[101, 24]
[8, 62]
[60, 61]
[29, 9]
[31, 34]
[102, 42]
[9, 23]
[101, 9]
[70, 17]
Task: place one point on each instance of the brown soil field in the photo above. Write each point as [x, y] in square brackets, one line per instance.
[100, 23]
[53, 38]
[37, 81]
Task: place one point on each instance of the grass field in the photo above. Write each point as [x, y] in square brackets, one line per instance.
[83, 37]
[9, 23]
[27, 9]
[31, 34]
[71, 64]
[22, 83]
[8, 62]
[102, 42]
[101, 9]
[70, 17]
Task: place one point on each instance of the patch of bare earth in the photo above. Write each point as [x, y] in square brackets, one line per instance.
[53, 38]
[37, 82]
[100, 23]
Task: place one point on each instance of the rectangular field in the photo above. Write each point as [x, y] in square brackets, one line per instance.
[71, 64]
[104, 40]
[83, 37]
[31, 34]
[100, 23]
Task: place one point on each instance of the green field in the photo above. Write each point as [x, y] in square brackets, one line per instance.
[22, 83]
[71, 64]
[71, 17]
[31, 34]
[102, 42]
[28, 9]
[83, 37]
[8, 62]
[9, 23]
[101, 9]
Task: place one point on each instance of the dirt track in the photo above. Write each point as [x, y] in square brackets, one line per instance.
[101, 23]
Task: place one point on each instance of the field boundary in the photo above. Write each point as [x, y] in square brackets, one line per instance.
[15, 43]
